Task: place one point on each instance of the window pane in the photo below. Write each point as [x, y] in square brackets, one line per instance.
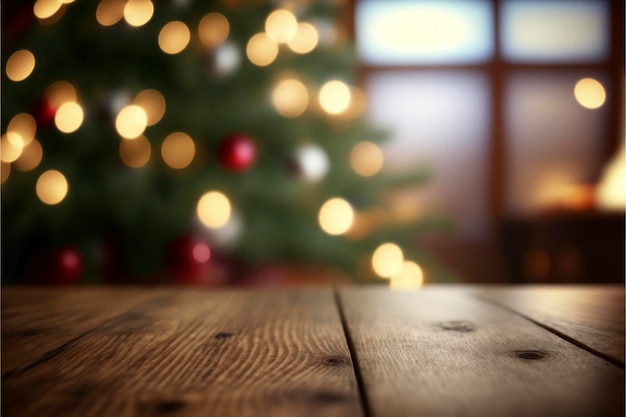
[555, 30]
[553, 142]
[439, 121]
[424, 32]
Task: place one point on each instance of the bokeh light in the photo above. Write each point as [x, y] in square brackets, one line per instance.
[51, 187]
[214, 209]
[69, 117]
[22, 127]
[201, 252]
[135, 153]
[20, 65]
[9, 152]
[290, 98]
[336, 216]
[153, 103]
[131, 121]
[30, 157]
[334, 97]
[138, 12]
[178, 150]
[305, 39]
[410, 277]
[109, 12]
[261, 50]
[60, 92]
[281, 25]
[174, 37]
[213, 30]
[43, 9]
[387, 260]
[366, 159]
[589, 93]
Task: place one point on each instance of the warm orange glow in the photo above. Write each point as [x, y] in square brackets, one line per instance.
[131, 121]
[589, 93]
[44, 9]
[153, 103]
[23, 128]
[290, 98]
[261, 50]
[305, 39]
[214, 209]
[60, 92]
[69, 117]
[20, 65]
[109, 12]
[51, 187]
[336, 216]
[178, 150]
[334, 97]
[138, 12]
[213, 30]
[611, 192]
[9, 152]
[366, 159]
[281, 25]
[174, 37]
[30, 157]
[410, 277]
[387, 260]
[135, 153]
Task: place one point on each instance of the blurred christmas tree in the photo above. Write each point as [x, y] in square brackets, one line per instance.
[153, 141]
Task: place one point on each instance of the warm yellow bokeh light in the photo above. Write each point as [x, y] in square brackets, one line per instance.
[51, 187]
[131, 121]
[138, 12]
[69, 117]
[5, 171]
[334, 97]
[20, 65]
[178, 150]
[410, 277]
[8, 151]
[44, 9]
[387, 260]
[336, 216]
[213, 209]
[305, 39]
[30, 157]
[109, 12]
[213, 30]
[290, 98]
[60, 92]
[281, 25]
[153, 103]
[174, 37]
[135, 153]
[22, 126]
[366, 159]
[261, 50]
[589, 93]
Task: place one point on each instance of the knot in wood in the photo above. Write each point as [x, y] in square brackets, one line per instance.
[334, 360]
[461, 326]
[169, 406]
[223, 335]
[531, 355]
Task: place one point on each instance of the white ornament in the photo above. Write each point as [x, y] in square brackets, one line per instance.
[311, 162]
[225, 237]
[227, 58]
[117, 101]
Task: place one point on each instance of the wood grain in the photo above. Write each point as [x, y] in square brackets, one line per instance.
[196, 353]
[592, 316]
[37, 320]
[441, 352]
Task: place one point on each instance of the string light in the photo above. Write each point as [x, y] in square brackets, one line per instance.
[589, 93]
[387, 260]
[214, 209]
[44, 9]
[281, 25]
[138, 12]
[336, 216]
[51, 187]
[366, 159]
[20, 65]
[135, 153]
[174, 37]
[109, 12]
[290, 98]
[334, 97]
[8, 151]
[31, 156]
[69, 117]
[153, 103]
[60, 92]
[261, 50]
[305, 39]
[22, 129]
[178, 150]
[131, 121]
[410, 277]
[213, 30]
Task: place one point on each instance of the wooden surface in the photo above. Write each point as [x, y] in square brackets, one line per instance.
[354, 351]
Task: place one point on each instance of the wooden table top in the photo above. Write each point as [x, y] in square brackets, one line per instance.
[352, 351]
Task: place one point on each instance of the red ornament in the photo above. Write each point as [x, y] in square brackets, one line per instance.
[44, 113]
[237, 152]
[67, 265]
[188, 260]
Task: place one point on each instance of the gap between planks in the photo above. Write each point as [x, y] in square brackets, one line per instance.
[556, 332]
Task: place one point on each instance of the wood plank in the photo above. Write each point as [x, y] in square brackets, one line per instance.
[442, 352]
[196, 353]
[592, 316]
[36, 320]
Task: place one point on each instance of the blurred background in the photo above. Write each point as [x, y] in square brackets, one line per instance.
[279, 143]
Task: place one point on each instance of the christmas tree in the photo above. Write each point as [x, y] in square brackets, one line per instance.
[151, 141]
